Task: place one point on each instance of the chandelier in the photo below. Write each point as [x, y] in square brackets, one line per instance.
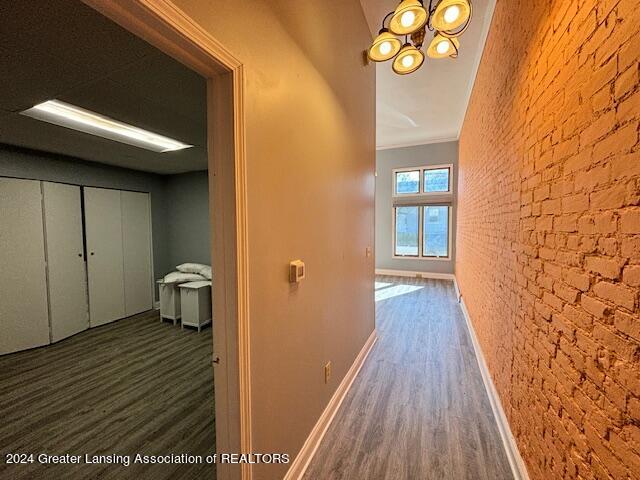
[447, 19]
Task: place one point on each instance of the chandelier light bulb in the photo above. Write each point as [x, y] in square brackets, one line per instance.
[451, 14]
[442, 47]
[385, 48]
[408, 61]
[407, 18]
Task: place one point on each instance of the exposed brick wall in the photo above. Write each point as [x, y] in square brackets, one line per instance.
[549, 230]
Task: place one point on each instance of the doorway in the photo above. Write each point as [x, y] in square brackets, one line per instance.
[169, 30]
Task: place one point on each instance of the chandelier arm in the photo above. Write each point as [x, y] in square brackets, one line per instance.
[455, 55]
[385, 18]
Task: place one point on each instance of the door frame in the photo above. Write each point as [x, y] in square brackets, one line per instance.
[165, 26]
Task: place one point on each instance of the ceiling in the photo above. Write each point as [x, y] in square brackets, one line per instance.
[62, 49]
[429, 105]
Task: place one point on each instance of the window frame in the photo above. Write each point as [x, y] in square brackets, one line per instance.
[421, 169]
[421, 209]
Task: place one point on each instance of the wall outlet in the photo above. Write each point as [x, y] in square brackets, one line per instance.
[327, 372]
[368, 251]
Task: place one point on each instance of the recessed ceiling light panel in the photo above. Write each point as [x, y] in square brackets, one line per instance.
[76, 118]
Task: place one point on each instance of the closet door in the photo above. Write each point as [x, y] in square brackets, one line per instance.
[103, 224]
[24, 318]
[66, 272]
[136, 237]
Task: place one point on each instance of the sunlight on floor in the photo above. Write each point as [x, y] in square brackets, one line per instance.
[383, 293]
[380, 285]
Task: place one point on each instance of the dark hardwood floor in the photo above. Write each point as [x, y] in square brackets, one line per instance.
[133, 386]
[418, 409]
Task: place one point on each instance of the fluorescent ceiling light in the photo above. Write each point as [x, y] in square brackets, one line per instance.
[76, 118]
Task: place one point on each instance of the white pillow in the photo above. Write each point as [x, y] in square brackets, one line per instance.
[190, 267]
[180, 277]
[206, 272]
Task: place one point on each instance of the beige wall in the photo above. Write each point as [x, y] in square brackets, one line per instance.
[310, 117]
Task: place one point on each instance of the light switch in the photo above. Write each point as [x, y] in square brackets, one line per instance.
[296, 271]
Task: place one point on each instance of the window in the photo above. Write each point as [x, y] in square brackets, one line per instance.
[422, 231]
[436, 180]
[407, 182]
[407, 237]
[422, 180]
[421, 212]
[435, 231]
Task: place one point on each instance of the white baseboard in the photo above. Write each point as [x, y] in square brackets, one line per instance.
[409, 273]
[308, 450]
[518, 466]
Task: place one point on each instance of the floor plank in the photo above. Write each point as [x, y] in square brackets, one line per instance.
[133, 386]
[418, 409]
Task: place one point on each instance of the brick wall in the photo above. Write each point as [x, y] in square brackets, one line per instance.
[549, 230]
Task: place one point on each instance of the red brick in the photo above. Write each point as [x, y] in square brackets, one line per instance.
[626, 81]
[609, 198]
[630, 221]
[594, 307]
[598, 128]
[619, 141]
[627, 324]
[577, 279]
[631, 275]
[607, 267]
[615, 293]
[575, 203]
[628, 109]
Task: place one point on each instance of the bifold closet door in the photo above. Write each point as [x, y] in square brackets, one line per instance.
[66, 272]
[136, 237]
[24, 318]
[105, 271]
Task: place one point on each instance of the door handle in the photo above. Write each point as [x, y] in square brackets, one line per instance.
[216, 360]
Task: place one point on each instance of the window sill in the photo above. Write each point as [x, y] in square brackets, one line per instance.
[435, 259]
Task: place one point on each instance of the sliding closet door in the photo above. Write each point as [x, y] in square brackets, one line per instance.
[105, 272]
[136, 236]
[66, 272]
[24, 319]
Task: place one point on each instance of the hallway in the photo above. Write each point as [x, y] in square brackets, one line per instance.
[418, 409]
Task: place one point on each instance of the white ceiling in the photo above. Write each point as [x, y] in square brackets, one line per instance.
[65, 50]
[427, 106]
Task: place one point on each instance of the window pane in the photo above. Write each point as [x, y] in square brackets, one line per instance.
[408, 182]
[436, 232]
[436, 180]
[407, 231]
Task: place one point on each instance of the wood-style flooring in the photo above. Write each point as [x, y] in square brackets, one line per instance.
[133, 386]
[418, 409]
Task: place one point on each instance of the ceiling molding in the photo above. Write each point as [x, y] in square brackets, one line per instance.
[417, 144]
